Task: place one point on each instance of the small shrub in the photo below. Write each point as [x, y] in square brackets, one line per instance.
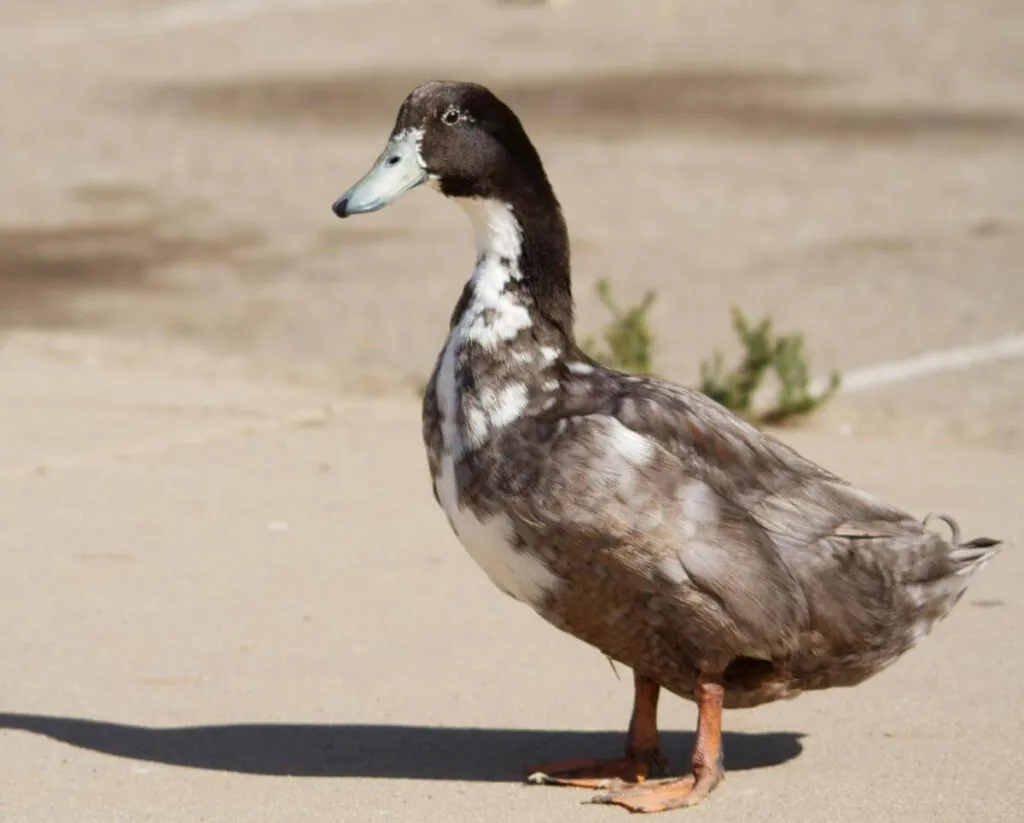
[764, 352]
[629, 347]
[628, 338]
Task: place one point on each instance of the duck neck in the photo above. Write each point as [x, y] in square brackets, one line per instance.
[523, 255]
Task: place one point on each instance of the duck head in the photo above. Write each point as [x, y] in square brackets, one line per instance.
[457, 136]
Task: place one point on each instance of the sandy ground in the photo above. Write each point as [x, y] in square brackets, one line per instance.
[228, 594]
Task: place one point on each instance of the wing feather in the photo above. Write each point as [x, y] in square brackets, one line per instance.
[735, 527]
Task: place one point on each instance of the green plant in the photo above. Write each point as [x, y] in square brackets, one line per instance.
[764, 352]
[628, 337]
[629, 346]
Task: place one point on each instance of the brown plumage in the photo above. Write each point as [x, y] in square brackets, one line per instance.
[640, 517]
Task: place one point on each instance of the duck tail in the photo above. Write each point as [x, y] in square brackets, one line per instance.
[971, 555]
[974, 554]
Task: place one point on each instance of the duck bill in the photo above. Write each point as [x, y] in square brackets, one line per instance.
[397, 170]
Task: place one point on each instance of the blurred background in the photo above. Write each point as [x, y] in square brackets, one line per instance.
[854, 171]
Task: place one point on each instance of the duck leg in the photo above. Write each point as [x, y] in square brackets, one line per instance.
[642, 759]
[708, 769]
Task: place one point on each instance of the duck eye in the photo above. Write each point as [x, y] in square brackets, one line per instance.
[450, 117]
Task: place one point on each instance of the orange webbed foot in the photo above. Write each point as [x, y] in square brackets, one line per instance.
[665, 795]
[615, 773]
[708, 769]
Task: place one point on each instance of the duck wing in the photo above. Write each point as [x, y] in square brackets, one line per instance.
[764, 553]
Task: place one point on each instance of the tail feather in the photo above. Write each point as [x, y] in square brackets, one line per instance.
[971, 555]
[974, 554]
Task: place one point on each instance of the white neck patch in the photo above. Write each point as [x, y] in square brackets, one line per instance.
[496, 229]
[493, 317]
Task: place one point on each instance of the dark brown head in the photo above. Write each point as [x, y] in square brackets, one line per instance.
[471, 146]
[458, 136]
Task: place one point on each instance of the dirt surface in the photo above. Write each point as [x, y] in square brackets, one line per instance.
[227, 599]
[224, 564]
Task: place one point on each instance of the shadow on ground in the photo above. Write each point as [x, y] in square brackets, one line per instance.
[744, 103]
[411, 752]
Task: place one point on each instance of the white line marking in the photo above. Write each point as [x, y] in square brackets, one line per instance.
[182, 15]
[936, 362]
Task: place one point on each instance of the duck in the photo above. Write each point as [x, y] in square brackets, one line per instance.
[638, 516]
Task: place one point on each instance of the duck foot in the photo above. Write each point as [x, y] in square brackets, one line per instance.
[665, 795]
[614, 773]
[708, 769]
[642, 760]
[708, 761]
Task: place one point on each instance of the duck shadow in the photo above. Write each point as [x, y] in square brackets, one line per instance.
[381, 751]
